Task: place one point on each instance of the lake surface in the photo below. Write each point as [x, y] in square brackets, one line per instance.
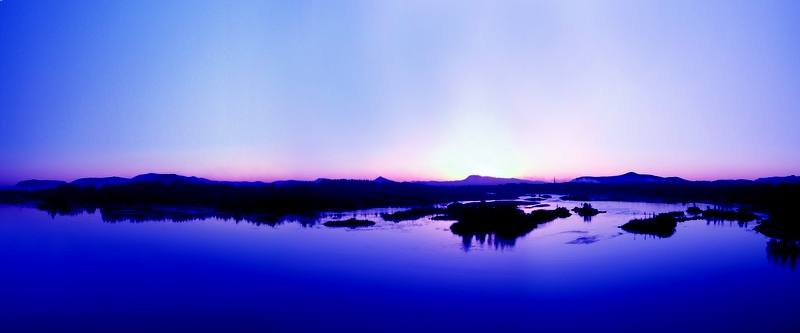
[79, 273]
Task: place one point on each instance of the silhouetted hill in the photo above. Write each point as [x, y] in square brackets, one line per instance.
[288, 182]
[778, 180]
[733, 181]
[271, 200]
[169, 178]
[383, 180]
[630, 177]
[35, 184]
[256, 183]
[479, 180]
[100, 181]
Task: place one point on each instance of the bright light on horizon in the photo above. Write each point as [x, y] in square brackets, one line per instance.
[274, 90]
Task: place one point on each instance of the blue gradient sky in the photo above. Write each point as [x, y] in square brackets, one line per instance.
[262, 90]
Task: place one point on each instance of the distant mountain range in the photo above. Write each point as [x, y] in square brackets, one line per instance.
[35, 184]
[778, 180]
[630, 177]
[478, 180]
[473, 180]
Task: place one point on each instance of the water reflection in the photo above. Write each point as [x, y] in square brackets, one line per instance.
[783, 252]
[80, 267]
[780, 252]
[728, 223]
[493, 240]
[183, 214]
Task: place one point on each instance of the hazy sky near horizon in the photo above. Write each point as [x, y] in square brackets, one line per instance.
[268, 90]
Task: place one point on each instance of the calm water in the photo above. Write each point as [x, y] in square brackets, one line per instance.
[72, 273]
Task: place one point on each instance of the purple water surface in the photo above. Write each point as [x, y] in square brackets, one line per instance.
[78, 273]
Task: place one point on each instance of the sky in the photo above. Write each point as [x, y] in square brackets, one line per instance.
[408, 90]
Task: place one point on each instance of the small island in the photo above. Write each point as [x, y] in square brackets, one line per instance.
[412, 214]
[586, 210]
[504, 220]
[694, 210]
[661, 225]
[732, 215]
[351, 223]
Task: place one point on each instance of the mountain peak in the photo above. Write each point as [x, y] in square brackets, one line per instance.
[630, 177]
[383, 180]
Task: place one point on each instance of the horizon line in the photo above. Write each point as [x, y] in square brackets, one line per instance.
[536, 179]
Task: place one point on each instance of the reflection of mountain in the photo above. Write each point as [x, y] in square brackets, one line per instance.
[630, 177]
[479, 180]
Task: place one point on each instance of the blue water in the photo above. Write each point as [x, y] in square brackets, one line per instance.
[78, 273]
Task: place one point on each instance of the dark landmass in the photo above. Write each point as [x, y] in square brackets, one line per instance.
[383, 180]
[349, 223]
[731, 215]
[694, 210]
[586, 210]
[501, 219]
[661, 225]
[35, 184]
[778, 180]
[98, 182]
[780, 229]
[104, 181]
[230, 200]
[413, 214]
[630, 177]
[169, 178]
[276, 199]
[476, 180]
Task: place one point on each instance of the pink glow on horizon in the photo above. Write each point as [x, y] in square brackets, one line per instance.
[407, 90]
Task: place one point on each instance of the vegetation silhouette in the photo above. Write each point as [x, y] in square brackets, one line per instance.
[694, 210]
[500, 220]
[269, 202]
[265, 202]
[661, 225]
[413, 214]
[586, 211]
[351, 223]
[729, 214]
